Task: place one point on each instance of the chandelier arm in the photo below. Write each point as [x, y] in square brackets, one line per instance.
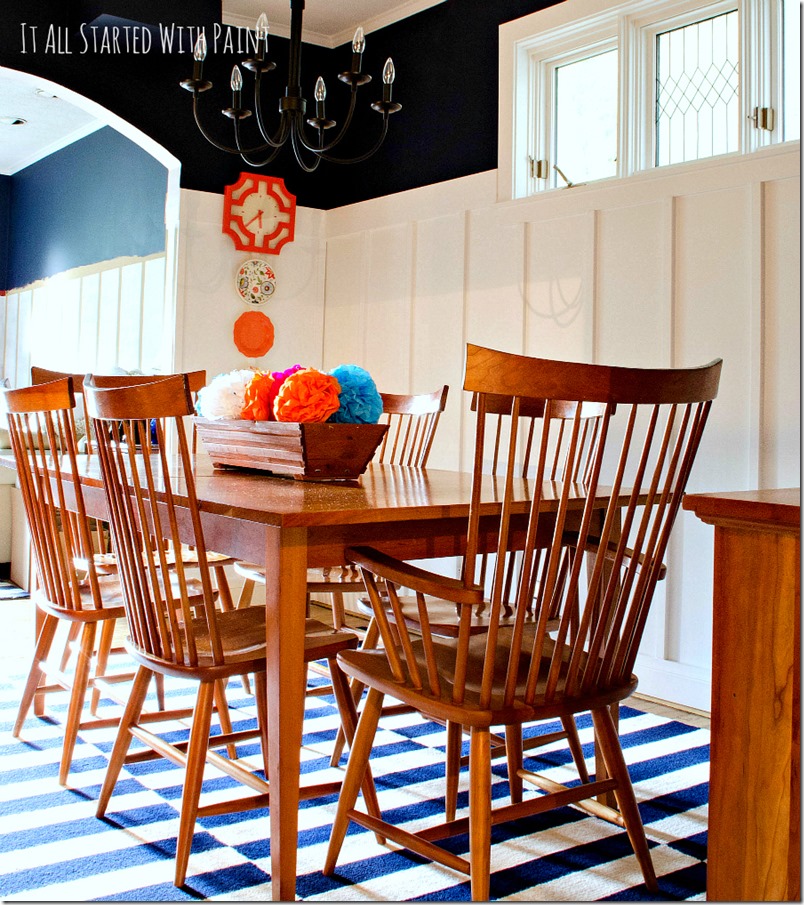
[281, 134]
[217, 144]
[367, 154]
[341, 132]
[295, 134]
[245, 152]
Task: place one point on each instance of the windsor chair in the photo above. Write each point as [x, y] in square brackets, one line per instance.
[149, 498]
[42, 431]
[604, 538]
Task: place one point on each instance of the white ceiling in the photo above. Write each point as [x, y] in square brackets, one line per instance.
[53, 123]
[326, 22]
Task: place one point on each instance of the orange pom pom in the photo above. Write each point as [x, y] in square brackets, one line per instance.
[257, 406]
[306, 396]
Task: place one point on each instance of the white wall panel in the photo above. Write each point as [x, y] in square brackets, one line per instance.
[387, 309]
[780, 461]
[713, 305]
[560, 288]
[346, 288]
[634, 292]
[108, 320]
[90, 312]
[437, 337]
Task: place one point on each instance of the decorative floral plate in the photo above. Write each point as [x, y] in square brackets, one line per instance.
[256, 282]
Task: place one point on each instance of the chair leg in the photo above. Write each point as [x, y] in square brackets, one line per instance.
[223, 715]
[43, 644]
[338, 610]
[369, 641]
[574, 742]
[261, 697]
[194, 777]
[348, 714]
[609, 743]
[72, 637]
[480, 813]
[244, 600]
[102, 660]
[78, 695]
[246, 593]
[355, 770]
[513, 751]
[224, 591]
[130, 716]
[159, 682]
[453, 768]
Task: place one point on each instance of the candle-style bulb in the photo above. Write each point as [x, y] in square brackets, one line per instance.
[359, 40]
[262, 27]
[237, 79]
[200, 50]
[388, 72]
[320, 90]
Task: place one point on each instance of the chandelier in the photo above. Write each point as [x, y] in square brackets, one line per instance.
[309, 146]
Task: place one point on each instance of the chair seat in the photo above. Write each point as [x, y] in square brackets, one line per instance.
[242, 634]
[372, 668]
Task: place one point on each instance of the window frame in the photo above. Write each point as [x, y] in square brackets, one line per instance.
[533, 46]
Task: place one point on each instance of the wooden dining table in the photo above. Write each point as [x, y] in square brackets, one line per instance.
[289, 525]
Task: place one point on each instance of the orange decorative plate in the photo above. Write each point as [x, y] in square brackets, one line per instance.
[253, 334]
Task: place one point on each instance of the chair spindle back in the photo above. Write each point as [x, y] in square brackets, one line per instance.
[412, 423]
[41, 426]
[152, 499]
[626, 440]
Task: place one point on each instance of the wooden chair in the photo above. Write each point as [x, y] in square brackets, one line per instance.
[412, 422]
[185, 637]
[615, 523]
[42, 430]
[442, 616]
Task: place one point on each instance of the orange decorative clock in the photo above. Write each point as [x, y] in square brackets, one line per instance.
[259, 213]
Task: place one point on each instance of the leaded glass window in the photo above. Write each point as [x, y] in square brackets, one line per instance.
[697, 90]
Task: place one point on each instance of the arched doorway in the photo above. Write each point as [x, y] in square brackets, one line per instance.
[33, 327]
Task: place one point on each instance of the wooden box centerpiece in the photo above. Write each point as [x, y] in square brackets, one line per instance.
[307, 451]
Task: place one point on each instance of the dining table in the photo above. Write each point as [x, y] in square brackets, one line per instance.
[290, 525]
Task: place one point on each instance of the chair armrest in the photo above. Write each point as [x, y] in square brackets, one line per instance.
[611, 550]
[413, 577]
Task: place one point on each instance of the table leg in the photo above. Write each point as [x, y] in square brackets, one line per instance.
[285, 593]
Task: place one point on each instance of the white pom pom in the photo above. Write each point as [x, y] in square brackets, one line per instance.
[224, 396]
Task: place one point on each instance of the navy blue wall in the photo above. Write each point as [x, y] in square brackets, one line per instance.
[5, 203]
[100, 198]
[446, 59]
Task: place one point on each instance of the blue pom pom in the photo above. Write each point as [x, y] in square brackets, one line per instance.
[360, 401]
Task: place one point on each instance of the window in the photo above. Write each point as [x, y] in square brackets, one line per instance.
[645, 83]
[791, 69]
[585, 134]
[697, 90]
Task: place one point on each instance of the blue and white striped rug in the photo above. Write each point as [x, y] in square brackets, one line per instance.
[52, 847]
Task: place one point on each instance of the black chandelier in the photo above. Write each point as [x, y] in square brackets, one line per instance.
[309, 151]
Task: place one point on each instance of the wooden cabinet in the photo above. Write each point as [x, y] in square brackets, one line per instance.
[754, 799]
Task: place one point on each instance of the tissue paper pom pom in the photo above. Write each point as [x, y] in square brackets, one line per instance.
[256, 405]
[360, 401]
[307, 395]
[278, 379]
[225, 395]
